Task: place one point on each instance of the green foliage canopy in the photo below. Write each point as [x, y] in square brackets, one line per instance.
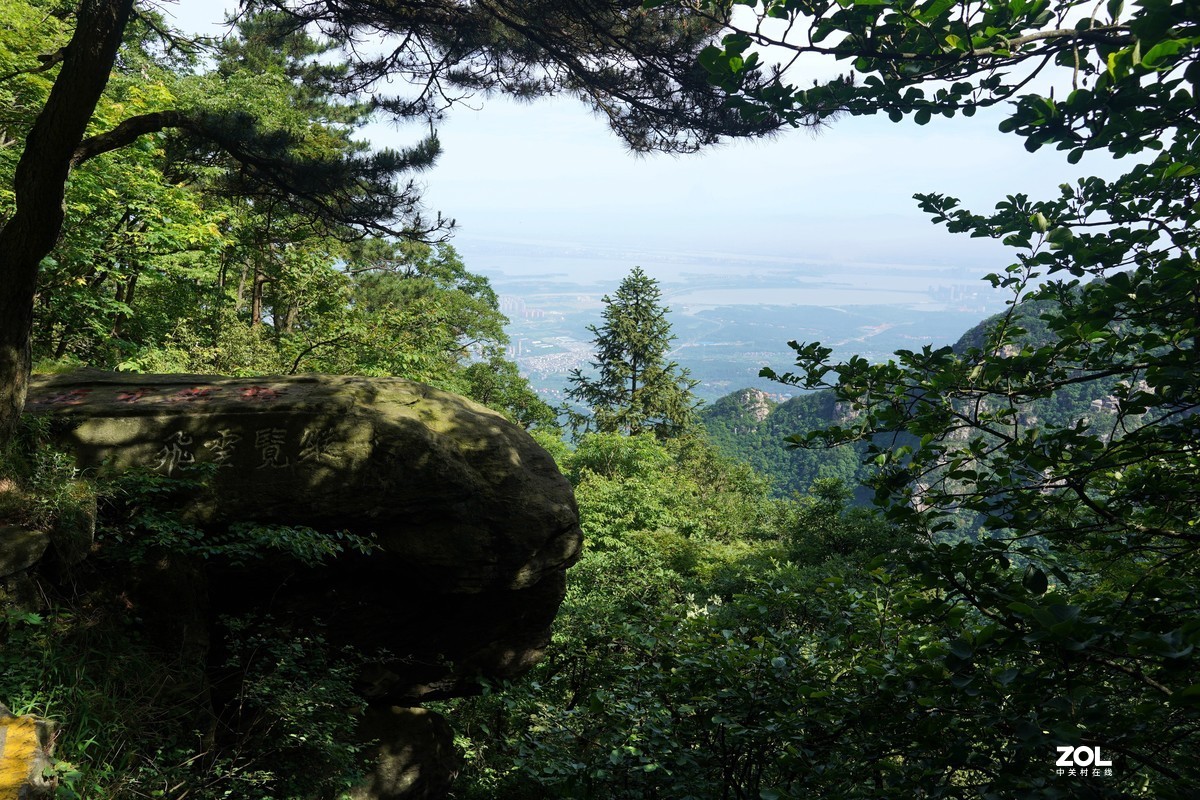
[1087, 578]
[177, 256]
[713, 643]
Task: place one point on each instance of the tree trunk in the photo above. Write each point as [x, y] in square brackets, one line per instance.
[290, 318]
[241, 292]
[39, 185]
[126, 297]
[256, 294]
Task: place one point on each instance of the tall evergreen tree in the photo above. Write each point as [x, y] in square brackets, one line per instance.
[637, 388]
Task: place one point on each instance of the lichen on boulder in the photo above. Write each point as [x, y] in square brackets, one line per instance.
[26, 750]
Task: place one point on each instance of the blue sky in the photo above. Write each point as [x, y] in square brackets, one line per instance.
[550, 173]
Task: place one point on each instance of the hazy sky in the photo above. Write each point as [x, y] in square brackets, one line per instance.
[550, 172]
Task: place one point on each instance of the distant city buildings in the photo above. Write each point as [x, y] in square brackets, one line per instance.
[726, 345]
[965, 297]
[512, 307]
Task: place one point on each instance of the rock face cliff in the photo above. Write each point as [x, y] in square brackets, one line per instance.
[756, 403]
[471, 525]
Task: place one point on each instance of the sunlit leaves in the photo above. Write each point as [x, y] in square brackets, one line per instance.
[1127, 74]
[1062, 437]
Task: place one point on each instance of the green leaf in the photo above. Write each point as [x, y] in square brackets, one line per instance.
[1035, 581]
[1008, 676]
[1162, 51]
[962, 648]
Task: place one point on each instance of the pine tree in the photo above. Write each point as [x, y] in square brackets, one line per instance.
[637, 388]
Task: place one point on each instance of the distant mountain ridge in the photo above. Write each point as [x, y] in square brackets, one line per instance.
[748, 426]
[738, 427]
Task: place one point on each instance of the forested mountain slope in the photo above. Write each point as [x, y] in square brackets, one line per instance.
[745, 425]
[748, 426]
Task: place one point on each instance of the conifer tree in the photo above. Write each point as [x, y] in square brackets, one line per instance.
[637, 388]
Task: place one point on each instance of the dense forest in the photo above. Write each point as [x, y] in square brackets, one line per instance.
[965, 572]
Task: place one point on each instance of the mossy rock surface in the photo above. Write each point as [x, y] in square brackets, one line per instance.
[414, 755]
[20, 548]
[474, 522]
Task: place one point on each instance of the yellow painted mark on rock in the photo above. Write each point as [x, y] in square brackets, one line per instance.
[19, 752]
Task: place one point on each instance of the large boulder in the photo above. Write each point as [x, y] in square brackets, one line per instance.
[414, 756]
[474, 526]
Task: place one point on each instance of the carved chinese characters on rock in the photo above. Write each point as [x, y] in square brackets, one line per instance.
[269, 444]
[257, 446]
[72, 398]
[196, 394]
[133, 396]
[317, 445]
[176, 453]
[222, 447]
[262, 394]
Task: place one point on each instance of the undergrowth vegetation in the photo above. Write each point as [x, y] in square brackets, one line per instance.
[699, 625]
[149, 701]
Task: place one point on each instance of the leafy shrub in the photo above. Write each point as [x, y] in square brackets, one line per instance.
[38, 482]
[131, 686]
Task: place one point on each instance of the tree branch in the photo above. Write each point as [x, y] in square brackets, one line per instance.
[126, 133]
[48, 62]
